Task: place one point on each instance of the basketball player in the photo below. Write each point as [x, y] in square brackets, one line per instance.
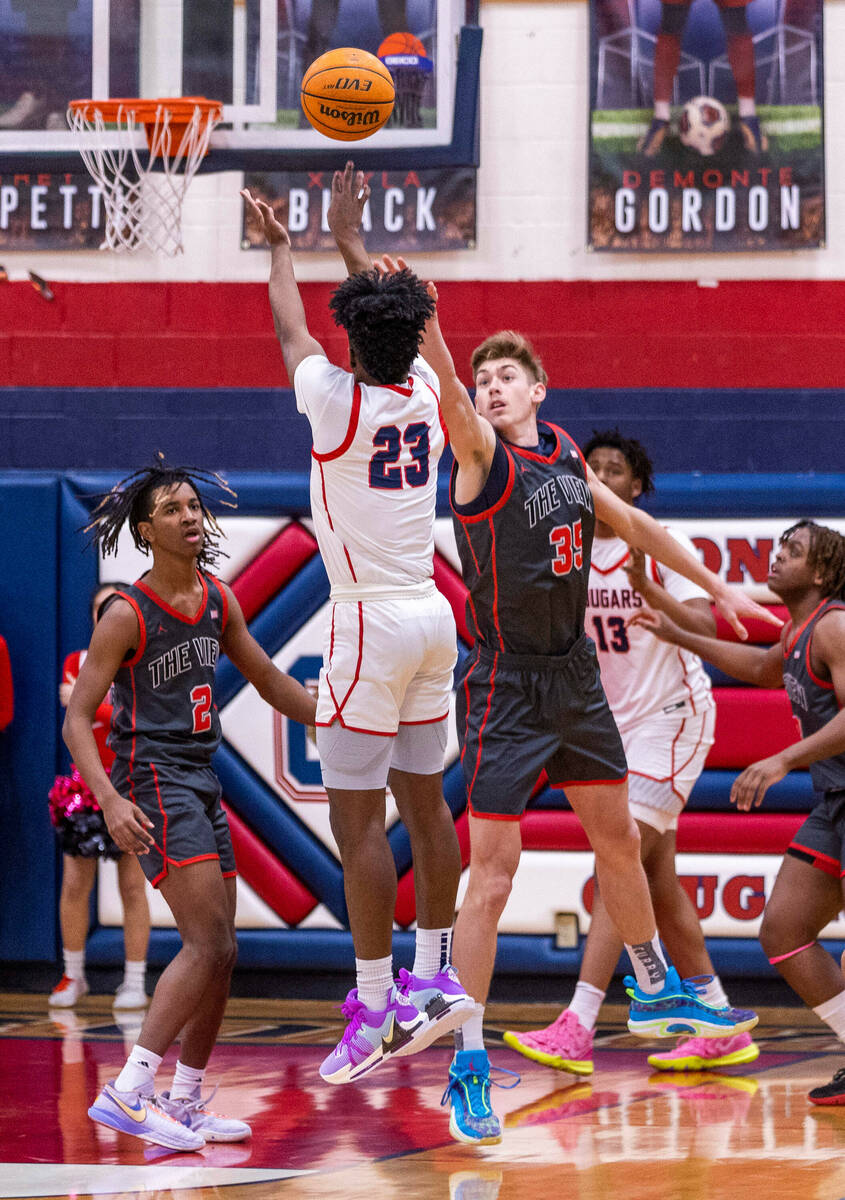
[667, 56]
[385, 685]
[663, 707]
[529, 697]
[808, 574]
[159, 640]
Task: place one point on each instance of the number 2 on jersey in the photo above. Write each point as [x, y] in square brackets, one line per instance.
[201, 703]
[385, 474]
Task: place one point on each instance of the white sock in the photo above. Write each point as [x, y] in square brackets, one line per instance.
[714, 993]
[139, 1071]
[432, 952]
[470, 1035]
[134, 974]
[74, 961]
[586, 1003]
[832, 1012]
[649, 965]
[746, 106]
[187, 1081]
[374, 977]
[661, 110]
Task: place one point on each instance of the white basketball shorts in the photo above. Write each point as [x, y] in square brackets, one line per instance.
[387, 661]
[666, 755]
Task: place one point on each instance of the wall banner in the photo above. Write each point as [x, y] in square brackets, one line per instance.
[706, 125]
[406, 211]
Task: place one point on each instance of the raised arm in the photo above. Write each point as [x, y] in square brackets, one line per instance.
[281, 691]
[350, 194]
[760, 665]
[637, 528]
[115, 635]
[285, 301]
[750, 787]
[693, 614]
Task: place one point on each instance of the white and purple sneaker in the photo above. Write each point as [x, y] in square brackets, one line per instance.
[370, 1037]
[441, 1000]
[143, 1117]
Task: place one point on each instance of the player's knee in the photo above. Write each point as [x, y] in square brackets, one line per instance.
[76, 890]
[490, 889]
[215, 943]
[779, 936]
[617, 845]
[673, 18]
[734, 21]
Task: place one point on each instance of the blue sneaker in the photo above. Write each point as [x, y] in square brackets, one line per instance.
[678, 1008]
[472, 1119]
[142, 1117]
[370, 1037]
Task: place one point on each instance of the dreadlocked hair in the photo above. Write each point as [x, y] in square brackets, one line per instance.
[826, 555]
[130, 502]
[635, 454]
[384, 317]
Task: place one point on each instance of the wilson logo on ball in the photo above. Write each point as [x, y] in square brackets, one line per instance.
[368, 94]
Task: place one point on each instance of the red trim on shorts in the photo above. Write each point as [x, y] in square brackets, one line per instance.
[685, 681]
[466, 698]
[822, 862]
[481, 730]
[338, 708]
[590, 782]
[156, 599]
[230, 874]
[186, 862]
[354, 413]
[474, 518]
[480, 816]
[430, 721]
[353, 728]
[163, 850]
[142, 632]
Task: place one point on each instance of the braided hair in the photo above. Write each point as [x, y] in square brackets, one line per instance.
[131, 502]
[826, 555]
[384, 316]
[634, 452]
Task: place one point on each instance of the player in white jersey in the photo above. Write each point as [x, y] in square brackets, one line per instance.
[391, 646]
[662, 702]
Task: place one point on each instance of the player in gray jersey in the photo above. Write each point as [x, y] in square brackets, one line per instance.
[530, 696]
[158, 642]
[808, 575]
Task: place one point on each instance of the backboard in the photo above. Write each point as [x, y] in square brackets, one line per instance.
[251, 55]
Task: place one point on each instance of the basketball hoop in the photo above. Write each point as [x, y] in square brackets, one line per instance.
[143, 196]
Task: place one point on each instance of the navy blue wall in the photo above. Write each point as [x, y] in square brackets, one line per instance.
[259, 429]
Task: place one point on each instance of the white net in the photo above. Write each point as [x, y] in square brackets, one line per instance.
[143, 190]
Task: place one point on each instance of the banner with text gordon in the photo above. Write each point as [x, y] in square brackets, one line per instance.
[706, 129]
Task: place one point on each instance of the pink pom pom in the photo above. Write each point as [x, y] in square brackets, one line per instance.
[70, 794]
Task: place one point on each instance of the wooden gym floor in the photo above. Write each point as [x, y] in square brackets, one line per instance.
[626, 1131]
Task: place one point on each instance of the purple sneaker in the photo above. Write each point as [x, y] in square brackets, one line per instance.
[370, 1037]
[442, 1002]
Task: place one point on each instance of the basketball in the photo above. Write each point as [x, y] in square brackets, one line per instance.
[401, 43]
[347, 94]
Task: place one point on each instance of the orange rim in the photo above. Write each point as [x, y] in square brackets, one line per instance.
[181, 108]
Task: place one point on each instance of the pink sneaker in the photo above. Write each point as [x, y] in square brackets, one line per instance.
[703, 1054]
[565, 1045]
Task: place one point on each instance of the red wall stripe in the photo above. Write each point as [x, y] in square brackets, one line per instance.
[743, 333]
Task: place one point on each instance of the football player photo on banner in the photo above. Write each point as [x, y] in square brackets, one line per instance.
[706, 129]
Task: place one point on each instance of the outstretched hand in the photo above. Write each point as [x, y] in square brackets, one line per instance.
[350, 194]
[390, 266]
[657, 623]
[750, 787]
[734, 604]
[261, 212]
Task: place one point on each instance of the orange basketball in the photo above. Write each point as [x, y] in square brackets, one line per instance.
[347, 94]
[401, 43]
